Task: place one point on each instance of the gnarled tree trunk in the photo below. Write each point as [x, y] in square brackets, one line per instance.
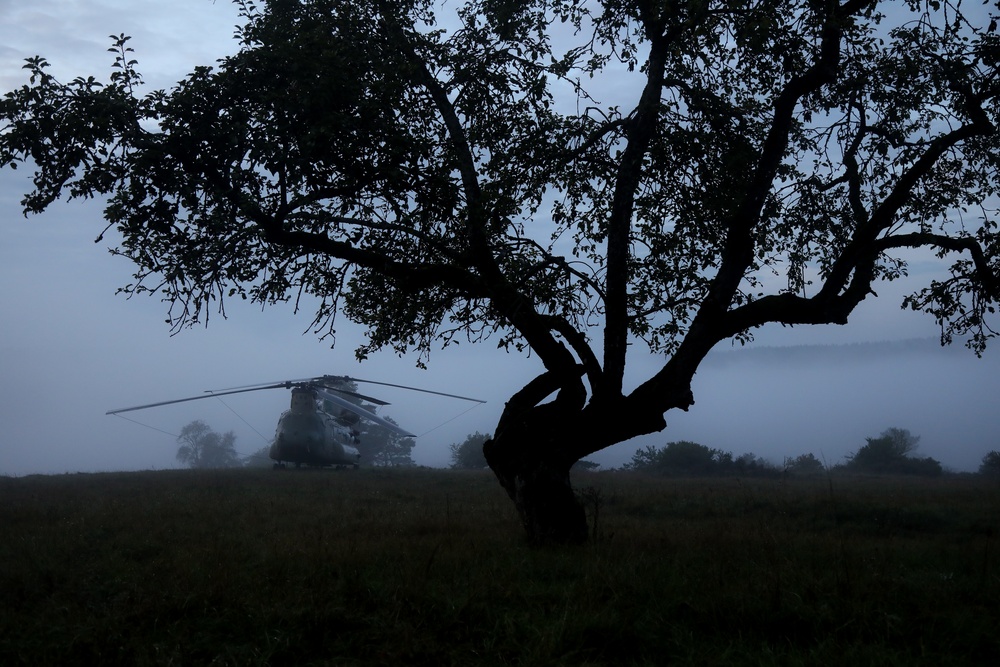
[536, 444]
[541, 490]
[531, 454]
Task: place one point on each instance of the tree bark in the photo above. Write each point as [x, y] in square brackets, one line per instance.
[530, 455]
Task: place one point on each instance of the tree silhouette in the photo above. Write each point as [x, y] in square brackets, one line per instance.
[468, 454]
[201, 447]
[805, 464]
[891, 453]
[382, 448]
[990, 465]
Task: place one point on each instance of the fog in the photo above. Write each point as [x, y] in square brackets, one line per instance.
[70, 349]
[826, 399]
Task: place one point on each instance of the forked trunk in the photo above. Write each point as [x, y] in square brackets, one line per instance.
[533, 467]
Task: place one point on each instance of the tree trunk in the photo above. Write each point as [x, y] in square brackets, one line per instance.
[531, 459]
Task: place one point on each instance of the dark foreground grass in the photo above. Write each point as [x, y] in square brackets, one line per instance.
[428, 567]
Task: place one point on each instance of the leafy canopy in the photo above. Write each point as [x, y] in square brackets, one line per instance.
[201, 447]
[990, 464]
[891, 452]
[381, 447]
[468, 454]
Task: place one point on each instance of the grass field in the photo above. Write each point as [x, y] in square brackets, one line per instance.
[255, 567]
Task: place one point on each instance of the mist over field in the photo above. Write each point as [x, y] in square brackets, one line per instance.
[772, 401]
[826, 399]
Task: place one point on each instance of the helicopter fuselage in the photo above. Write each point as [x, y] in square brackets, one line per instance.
[308, 436]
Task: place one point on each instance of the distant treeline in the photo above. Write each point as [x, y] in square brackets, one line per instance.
[891, 453]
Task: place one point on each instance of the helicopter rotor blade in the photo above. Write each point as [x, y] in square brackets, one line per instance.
[370, 399]
[209, 394]
[403, 386]
[327, 384]
[371, 416]
[287, 384]
[326, 381]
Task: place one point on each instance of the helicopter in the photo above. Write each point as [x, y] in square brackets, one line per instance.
[310, 433]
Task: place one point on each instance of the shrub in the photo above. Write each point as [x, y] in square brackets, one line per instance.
[680, 458]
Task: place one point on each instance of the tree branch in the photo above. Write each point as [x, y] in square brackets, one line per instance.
[988, 278]
[738, 252]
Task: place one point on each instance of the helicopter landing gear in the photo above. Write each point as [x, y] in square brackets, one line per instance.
[279, 466]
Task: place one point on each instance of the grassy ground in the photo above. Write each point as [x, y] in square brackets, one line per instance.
[428, 567]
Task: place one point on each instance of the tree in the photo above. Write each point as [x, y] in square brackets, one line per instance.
[885, 451]
[890, 453]
[752, 465]
[201, 447]
[990, 465]
[381, 447]
[435, 176]
[468, 454]
[806, 465]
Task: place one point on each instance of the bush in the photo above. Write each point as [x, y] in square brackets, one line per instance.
[926, 467]
[468, 455]
[686, 458]
[259, 459]
[680, 458]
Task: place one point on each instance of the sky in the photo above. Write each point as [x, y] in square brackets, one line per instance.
[71, 349]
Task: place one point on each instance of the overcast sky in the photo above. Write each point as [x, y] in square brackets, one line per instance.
[70, 349]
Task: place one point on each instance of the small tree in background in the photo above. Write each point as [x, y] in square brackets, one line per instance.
[751, 464]
[468, 455]
[397, 454]
[805, 465]
[201, 447]
[889, 453]
[382, 448]
[990, 465]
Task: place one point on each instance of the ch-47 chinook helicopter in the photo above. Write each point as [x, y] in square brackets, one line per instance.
[308, 434]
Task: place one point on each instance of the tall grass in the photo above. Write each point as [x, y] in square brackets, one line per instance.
[428, 567]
